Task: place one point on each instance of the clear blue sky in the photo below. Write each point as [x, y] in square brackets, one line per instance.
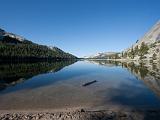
[81, 27]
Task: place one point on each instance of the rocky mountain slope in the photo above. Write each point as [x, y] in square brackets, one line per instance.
[152, 36]
[146, 48]
[13, 46]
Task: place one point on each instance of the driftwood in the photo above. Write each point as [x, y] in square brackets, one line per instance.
[88, 83]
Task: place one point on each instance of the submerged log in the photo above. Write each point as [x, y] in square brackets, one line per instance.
[88, 83]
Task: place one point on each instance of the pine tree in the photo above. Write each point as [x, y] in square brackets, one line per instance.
[143, 50]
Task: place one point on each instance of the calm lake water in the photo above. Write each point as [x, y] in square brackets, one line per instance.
[56, 85]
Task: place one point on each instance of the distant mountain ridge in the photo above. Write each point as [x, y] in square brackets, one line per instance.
[3, 34]
[103, 55]
[13, 46]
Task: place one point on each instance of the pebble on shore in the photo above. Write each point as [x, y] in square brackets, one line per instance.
[84, 115]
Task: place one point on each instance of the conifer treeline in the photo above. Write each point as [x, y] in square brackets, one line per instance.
[29, 50]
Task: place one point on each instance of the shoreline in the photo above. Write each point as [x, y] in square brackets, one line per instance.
[80, 114]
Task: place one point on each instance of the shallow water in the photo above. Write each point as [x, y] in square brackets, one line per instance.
[56, 85]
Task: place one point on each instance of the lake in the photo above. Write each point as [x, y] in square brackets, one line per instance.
[98, 84]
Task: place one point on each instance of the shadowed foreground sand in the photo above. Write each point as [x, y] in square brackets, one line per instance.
[83, 115]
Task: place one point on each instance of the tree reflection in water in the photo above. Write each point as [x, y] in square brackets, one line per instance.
[148, 72]
[14, 73]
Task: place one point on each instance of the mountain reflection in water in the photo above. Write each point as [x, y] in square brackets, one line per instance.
[51, 85]
[15, 73]
[147, 71]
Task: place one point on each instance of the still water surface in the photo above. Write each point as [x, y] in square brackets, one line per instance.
[56, 85]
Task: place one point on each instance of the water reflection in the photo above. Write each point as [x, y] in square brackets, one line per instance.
[146, 71]
[12, 74]
[118, 84]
